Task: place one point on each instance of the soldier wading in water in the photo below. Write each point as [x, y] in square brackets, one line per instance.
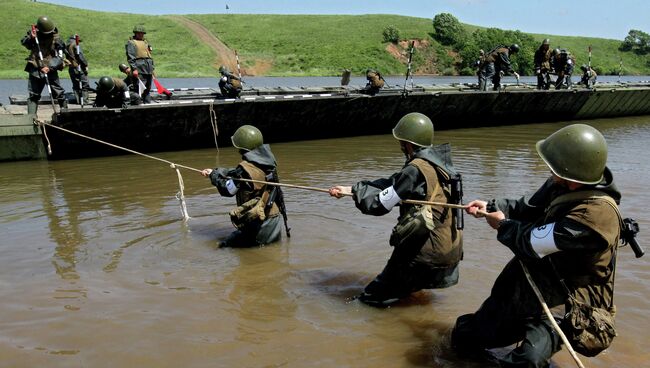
[427, 240]
[257, 217]
[566, 234]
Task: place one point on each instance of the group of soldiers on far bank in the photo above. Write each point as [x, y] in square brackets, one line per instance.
[49, 55]
[496, 63]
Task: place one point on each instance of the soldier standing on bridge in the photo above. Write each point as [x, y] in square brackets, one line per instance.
[138, 54]
[77, 68]
[43, 63]
[497, 61]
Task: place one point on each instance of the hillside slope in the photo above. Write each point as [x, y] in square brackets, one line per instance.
[275, 45]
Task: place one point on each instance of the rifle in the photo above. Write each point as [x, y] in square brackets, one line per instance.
[276, 196]
[40, 65]
[408, 68]
[628, 236]
[78, 57]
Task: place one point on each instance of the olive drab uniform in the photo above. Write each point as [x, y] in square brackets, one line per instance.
[563, 63]
[257, 223]
[417, 262]
[558, 234]
[78, 69]
[52, 49]
[496, 61]
[375, 82]
[589, 77]
[542, 64]
[230, 85]
[138, 55]
[117, 97]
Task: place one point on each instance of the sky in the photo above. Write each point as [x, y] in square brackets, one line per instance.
[595, 18]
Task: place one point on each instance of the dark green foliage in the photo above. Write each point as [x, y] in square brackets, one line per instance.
[447, 29]
[391, 34]
[489, 38]
[637, 41]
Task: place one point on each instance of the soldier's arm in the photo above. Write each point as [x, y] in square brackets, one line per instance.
[378, 197]
[27, 41]
[530, 241]
[526, 208]
[222, 179]
[130, 54]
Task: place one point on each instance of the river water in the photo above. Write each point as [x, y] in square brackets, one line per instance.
[99, 270]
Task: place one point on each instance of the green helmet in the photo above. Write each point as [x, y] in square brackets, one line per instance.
[45, 25]
[546, 41]
[514, 48]
[247, 137]
[415, 128]
[139, 28]
[577, 153]
[123, 67]
[224, 70]
[105, 84]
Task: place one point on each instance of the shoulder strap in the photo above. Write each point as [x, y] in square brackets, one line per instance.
[428, 171]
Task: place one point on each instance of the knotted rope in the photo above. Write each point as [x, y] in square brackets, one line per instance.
[213, 121]
[180, 195]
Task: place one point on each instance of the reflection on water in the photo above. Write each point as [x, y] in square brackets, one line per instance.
[97, 265]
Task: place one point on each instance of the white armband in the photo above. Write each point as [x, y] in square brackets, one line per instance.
[542, 240]
[231, 187]
[126, 95]
[389, 198]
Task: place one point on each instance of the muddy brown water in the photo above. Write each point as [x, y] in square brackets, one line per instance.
[98, 270]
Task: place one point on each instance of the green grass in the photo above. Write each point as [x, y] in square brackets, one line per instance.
[605, 55]
[176, 51]
[294, 45]
[314, 44]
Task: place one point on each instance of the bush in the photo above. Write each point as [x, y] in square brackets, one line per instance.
[447, 29]
[391, 34]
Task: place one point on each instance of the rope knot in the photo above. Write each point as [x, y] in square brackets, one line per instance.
[172, 165]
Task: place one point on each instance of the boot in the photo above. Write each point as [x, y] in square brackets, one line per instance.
[63, 104]
[32, 107]
[84, 95]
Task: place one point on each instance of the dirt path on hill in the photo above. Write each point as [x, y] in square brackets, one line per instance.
[224, 55]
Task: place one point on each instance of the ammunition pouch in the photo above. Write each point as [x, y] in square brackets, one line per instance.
[590, 330]
[412, 228]
[248, 212]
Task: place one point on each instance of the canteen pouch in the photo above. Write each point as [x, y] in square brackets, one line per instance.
[248, 212]
[589, 330]
[413, 228]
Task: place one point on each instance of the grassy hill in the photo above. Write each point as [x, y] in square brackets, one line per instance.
[287, 45]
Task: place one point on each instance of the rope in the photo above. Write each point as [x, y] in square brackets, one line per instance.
[213, 121]
[180, 195]
[410, 201]
[557, 328]
[49, 146]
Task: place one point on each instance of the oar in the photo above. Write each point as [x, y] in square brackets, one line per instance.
[410, 201]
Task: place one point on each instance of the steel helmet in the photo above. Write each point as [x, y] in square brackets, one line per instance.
[139, 28]
[247, 137]
[45, 25]
[546, 41]
[584, 67]
[123, 67]
[577, 153]
[556, 52]
[105, 84]
[514, 48]
[415, 128]
[224, 70]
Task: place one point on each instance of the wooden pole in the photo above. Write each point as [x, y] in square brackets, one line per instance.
[557, 328]
[409, 201]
